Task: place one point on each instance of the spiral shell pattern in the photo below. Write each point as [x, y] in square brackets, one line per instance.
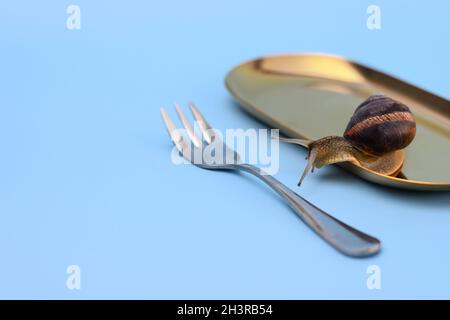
[381, 125]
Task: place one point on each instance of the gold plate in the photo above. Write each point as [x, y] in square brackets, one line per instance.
[313, 95]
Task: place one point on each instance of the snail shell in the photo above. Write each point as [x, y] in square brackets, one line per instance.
[375, 137]
[381, 125]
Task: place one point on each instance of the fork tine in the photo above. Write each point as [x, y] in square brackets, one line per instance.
[170, 126]
[195, 140]
[174, 134]
[202, 123]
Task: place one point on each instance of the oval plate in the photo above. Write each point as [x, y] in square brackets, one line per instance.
[314, 95]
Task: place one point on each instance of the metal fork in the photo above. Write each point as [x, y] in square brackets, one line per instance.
[341, 236]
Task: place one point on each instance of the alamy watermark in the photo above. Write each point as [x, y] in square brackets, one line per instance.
[257, 147]
[73, 21]
[73, 281]
[374, 19]
[373, 281]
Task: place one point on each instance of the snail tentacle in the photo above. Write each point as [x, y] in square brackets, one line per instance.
[303, 142]
[309, 165]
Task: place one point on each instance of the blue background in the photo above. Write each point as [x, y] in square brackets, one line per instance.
[85, 169]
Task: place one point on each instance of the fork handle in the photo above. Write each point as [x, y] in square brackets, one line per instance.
[341, 236]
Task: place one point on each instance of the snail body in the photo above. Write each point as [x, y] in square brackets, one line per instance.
[374, 138]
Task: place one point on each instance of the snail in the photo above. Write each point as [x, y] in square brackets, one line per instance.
[374, 138]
